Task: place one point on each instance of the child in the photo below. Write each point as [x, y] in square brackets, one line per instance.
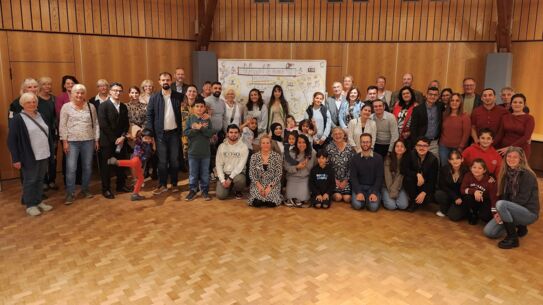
[289, 145]
[290, 128]
[484, 150]
[479, 191]
[199, 133]
[143, 150]
[306, 128]
[321, 182]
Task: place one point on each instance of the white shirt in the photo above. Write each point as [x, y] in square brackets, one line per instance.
[117, 105]
[169, 116]
[97, 98]
[338, 102]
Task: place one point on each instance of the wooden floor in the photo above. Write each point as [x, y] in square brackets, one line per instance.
[166, 251]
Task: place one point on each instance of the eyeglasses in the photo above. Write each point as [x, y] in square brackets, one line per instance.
[116, 90]
[423, 145]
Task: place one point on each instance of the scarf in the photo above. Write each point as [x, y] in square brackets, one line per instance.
[511, 182]
[273, 136]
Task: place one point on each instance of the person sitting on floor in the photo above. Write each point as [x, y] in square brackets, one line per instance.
[479, 194]
[321, 182]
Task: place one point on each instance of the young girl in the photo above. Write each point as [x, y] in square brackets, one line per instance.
[449, 194]
[305, 127]
[143, 149]
[479, 193]
[288, 147]
[394, 196]
[321, 182]
[290, 128]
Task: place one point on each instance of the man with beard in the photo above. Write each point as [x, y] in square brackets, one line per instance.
[231, 159]
[164, 120]
[367, 172]
[216, 108]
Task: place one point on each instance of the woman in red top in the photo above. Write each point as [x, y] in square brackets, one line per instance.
[456, 127]
[517, 127]
[479, 193]
[402, 111]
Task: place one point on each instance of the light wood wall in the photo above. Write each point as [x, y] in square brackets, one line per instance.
[371, 21]
[89, 58]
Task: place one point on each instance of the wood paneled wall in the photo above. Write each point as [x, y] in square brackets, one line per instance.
[167, 19]
[371, 21]
[89, 58]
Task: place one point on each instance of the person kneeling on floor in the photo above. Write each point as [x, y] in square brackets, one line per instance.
[322, 182]
[230, 163]
[143, 150]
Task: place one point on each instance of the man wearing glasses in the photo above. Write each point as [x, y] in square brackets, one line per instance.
[470, 98]
[419, 169]
[113, 121]
[426, 120]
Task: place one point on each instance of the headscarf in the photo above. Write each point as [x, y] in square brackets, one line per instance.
[272, 130]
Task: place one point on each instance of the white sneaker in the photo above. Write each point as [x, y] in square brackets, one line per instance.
[440, 214]
[45, 207]
[33, 211]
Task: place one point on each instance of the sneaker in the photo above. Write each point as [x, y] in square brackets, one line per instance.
[206, 196]
[45, 187]
[33, 211]
[87, 194]
[212, 177]
[160, 189]
[53, 186]
[136, 197]
[45, 207]
[175, 189]
[238, 195]
[69, 199]
[289, 203]
[190, 196]
[298, 203]
[440, 214]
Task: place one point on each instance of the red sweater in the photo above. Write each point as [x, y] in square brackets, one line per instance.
[491, 157]
[455, 131]
[516, 130]
[470, 185]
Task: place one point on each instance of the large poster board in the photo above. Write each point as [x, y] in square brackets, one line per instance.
[298, 78]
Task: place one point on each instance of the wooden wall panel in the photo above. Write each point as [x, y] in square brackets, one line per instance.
[6, 96]
[28, 46]
[367, 61]
[467, 59]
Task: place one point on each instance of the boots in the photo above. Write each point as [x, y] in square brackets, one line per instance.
[522, 231]
[511, 240]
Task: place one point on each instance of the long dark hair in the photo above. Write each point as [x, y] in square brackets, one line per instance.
[403, 103]
[394, 161]
[260, 101]
[308, 149]
[284, 102]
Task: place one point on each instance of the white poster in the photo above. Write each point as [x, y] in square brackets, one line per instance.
[298, 78]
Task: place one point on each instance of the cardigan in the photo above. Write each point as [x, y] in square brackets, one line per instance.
[19, 142]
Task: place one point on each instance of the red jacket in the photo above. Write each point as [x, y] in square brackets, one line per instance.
[470, 185]
[491, 157]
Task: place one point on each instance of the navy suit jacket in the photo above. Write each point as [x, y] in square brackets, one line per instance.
[155, 112]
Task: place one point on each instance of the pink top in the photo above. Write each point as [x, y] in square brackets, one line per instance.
[455, 131]
[62, 99]
[516, 130]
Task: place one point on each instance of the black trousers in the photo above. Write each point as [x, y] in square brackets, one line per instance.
[470, 206]
[105, 153]
[381, 149]
[314, 201]
[410, 186]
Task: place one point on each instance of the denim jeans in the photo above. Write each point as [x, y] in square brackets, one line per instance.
[400, 203]
[371, 205]
[85, 149]
[33, 182]
[199, 174]
[168, 157]
[444, 153]
[509, 212]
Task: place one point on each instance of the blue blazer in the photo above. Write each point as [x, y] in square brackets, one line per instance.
[155, 113]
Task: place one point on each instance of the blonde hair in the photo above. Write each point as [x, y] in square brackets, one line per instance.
[146, 82]
[101, 82]
[523, 165]
[44, 80]
[27, 97]
[27, 82]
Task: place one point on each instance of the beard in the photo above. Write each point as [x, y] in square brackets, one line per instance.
[166, 87]
[217, 94]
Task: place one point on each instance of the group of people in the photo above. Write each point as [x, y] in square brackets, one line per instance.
[404, 149]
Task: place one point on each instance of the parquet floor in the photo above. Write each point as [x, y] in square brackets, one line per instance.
[165, 251]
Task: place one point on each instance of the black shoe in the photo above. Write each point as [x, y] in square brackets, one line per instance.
[472, 218]
[108, 194]
[136, 197]
[124, 189]
[190, 196]
[411, 208]
[522, 231]
[511, 240]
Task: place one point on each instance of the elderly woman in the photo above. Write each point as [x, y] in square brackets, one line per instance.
[79, 133]
[233, 113]
[46, 104]
[265, 173]
[30, 144]
[341, 153]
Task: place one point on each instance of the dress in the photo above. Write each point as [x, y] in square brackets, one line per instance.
[341, 162]
[516, 130]
[298, 179]
[277, 115]
[270, 174]
[137, 113]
